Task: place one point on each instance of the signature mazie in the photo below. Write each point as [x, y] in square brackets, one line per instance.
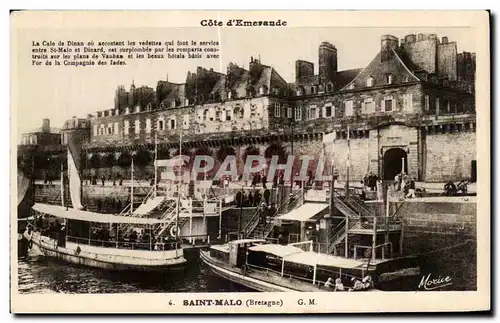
[429, 283]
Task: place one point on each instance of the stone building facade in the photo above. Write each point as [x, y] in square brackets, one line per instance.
[413, 104]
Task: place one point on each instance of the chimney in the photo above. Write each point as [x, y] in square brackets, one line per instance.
[444, 40]
[327, 61]
[46, 126]
[388, 43]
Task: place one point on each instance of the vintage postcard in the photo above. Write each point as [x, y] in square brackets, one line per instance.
[250, 161]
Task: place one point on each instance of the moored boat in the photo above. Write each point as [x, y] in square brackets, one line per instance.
[97, 240]
[284, 268]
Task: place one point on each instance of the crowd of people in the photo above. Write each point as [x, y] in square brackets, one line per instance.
[402, 182]
[357, 285]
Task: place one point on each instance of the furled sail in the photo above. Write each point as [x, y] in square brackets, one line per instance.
[23, 184]
[75, 183]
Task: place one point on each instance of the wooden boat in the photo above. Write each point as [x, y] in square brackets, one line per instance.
[95, 240]
[280, 268]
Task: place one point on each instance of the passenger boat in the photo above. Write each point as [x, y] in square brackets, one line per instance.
[96, 240]
[269, 267]
[131, 240]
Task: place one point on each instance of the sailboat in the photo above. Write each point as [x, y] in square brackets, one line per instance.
[106, 241]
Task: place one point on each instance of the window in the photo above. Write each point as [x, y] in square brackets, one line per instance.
[408, 102]
[348, 108]
[148, 125]
[448, 106]
[388, 104]
[229, 114]
[161, 124]
[388, 79]
[101, 130]
[117, 112]
[201, 98]
[351, 86]
[437, 105]
[312, 112]
[327, 111]
[426, 103]
[127, 110]
[229, 95]
[277, 109]
[298, 92]
[116, 128]
[126, 126]
[261, 90]
[298, 113]
[137, 126]
[186, 102]
[172, 104]
[205, 114]
[288, 112]
[369, 81]
[313, 90]
[406, 79]
[137, 109]
[95, 130]
[110, 128]
[329, 87]
[185, 121]
[368, 106]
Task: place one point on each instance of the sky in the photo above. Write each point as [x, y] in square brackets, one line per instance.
[59, 93]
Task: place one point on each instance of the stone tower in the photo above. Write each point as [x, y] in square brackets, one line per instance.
[327, 60]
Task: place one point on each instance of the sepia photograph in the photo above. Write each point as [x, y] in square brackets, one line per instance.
[256, 153]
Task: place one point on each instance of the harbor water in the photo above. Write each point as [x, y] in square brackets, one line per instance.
[39, 274]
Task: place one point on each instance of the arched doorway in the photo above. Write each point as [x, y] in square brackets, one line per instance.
[393, 162]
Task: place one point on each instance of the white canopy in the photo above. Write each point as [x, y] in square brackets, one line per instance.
[276, 249]
[321, 259]
[304, 212]
[74, 214]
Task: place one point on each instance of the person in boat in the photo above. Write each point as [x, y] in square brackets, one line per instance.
[329, 283]
[367, 282]
[357, 285]
[339, 287]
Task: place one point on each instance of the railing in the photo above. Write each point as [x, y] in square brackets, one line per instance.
[337, 234]
[373, 252]
[123, 244]
[293, 201]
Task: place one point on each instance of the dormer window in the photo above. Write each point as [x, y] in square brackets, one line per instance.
[127, 110]
[229, 95]
[369, 81]
[406, 79]
[350, 86]
[137, 109]
[313, 90]
[388, 79]
[261, 90]
[173, 104]
[329, 87]
[117, 112]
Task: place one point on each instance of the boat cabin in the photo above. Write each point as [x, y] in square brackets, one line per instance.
[101, 230]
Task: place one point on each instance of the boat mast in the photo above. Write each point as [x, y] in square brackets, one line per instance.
[62, 186]
[348, 161]
[132, 185]
[178, 191]
[156, 166]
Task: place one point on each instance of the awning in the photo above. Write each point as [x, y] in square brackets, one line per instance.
[304, 212]
[173, 162]
[74, 214]
[276, 249]
[321, 259]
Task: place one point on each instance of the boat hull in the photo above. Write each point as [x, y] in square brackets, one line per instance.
[239, 278]
[103, 261]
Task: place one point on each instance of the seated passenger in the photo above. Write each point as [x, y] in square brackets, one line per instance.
[329, 283]
[339, 287]
[357, 285]
[367, 282]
